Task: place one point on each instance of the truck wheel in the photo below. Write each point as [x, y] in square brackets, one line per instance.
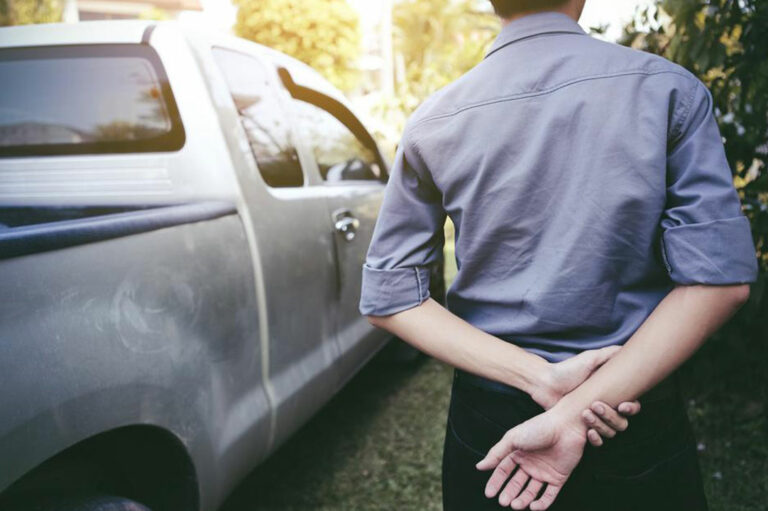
[76, 503]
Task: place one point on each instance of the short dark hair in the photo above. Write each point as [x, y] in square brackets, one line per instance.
[508, 8]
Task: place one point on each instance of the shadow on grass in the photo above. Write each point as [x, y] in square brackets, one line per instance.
[376, 445]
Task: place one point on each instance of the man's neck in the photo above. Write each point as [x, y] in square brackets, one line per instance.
[567, 9]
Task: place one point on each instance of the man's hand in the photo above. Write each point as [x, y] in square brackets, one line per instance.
[562, 377]
[604, 421]
[434, 330]
[544, 449]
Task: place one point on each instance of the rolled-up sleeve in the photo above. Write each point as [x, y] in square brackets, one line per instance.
[407, 238]
[705, 237]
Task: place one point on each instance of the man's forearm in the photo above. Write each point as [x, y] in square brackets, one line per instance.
[435, 330]
[676, 328]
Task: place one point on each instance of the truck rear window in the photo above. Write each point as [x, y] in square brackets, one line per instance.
[85, 99]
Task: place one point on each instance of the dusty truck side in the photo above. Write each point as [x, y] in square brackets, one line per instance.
[183, 217]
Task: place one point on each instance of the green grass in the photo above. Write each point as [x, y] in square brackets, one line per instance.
[726, 386]
[378, 444]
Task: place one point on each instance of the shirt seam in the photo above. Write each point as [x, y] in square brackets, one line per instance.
[427, 180]
[559, 31]
[418, 280]
[407, 141]
[707, 222]
[523, 95]
[665, 256]
[677, 130]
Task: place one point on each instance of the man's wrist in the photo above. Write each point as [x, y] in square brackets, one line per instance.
[532, 374]
[568, 413]
[570, 407]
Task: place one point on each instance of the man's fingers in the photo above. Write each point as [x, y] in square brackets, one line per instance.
[513, 487]
[595, 422]
[610, 416]
[594, 437]
[546, 499]
[527, 496]
[502, 472]
[629, 408]
[497, 453]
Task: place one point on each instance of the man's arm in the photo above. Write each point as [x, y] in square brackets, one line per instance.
[708, 251]
[549, 446]
[678, 326]
[433, 329]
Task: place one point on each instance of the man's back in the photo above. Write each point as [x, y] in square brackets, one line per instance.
[583, 179]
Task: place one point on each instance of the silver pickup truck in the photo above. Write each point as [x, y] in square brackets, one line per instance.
[183, 220]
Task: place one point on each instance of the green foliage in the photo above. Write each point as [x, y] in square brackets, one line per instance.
[725, 43]
[25, 12]
[436, 41]
[322, 33]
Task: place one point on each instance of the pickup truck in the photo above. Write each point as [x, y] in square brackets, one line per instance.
[183, 219]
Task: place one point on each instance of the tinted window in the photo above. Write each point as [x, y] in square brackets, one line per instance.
[265, 123]
[76, 99]
[339, 154]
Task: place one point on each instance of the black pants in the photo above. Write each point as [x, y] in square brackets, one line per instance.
[651, 466]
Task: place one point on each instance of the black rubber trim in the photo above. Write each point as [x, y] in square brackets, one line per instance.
[147, 34]
[32, 239]
[337, 110]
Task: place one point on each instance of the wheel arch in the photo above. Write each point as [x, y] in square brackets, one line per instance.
[145, 463]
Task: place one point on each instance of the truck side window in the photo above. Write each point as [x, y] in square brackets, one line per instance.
[339, 154]
[265, 123]
[86, 99]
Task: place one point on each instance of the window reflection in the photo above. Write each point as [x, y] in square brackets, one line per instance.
[264, 122]
[85, 99]
[339, 154]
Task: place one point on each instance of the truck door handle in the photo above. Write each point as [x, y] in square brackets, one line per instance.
[345, 223]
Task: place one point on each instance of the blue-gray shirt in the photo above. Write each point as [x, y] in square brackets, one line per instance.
[584, 179]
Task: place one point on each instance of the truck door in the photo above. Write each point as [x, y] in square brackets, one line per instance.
[350, 167]
[293, 245]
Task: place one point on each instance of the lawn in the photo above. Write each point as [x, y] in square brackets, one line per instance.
[376, 446]
[378, 443]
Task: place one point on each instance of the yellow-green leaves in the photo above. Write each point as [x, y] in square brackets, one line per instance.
[322, 33]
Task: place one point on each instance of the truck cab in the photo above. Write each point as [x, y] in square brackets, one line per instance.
[183, 220]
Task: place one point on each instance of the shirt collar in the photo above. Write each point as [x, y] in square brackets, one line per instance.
[542, 22]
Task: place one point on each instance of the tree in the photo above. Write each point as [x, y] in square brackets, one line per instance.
[24, 12]
[322, 33]
[436, 41]
[724, 43]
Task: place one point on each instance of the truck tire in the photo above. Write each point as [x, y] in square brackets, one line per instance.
[76, 503]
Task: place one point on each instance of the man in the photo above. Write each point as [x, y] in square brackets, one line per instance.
[599, 242]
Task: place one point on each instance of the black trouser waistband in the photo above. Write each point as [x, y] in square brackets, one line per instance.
[665, 388]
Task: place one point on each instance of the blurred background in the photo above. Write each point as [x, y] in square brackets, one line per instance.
[379, 443]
